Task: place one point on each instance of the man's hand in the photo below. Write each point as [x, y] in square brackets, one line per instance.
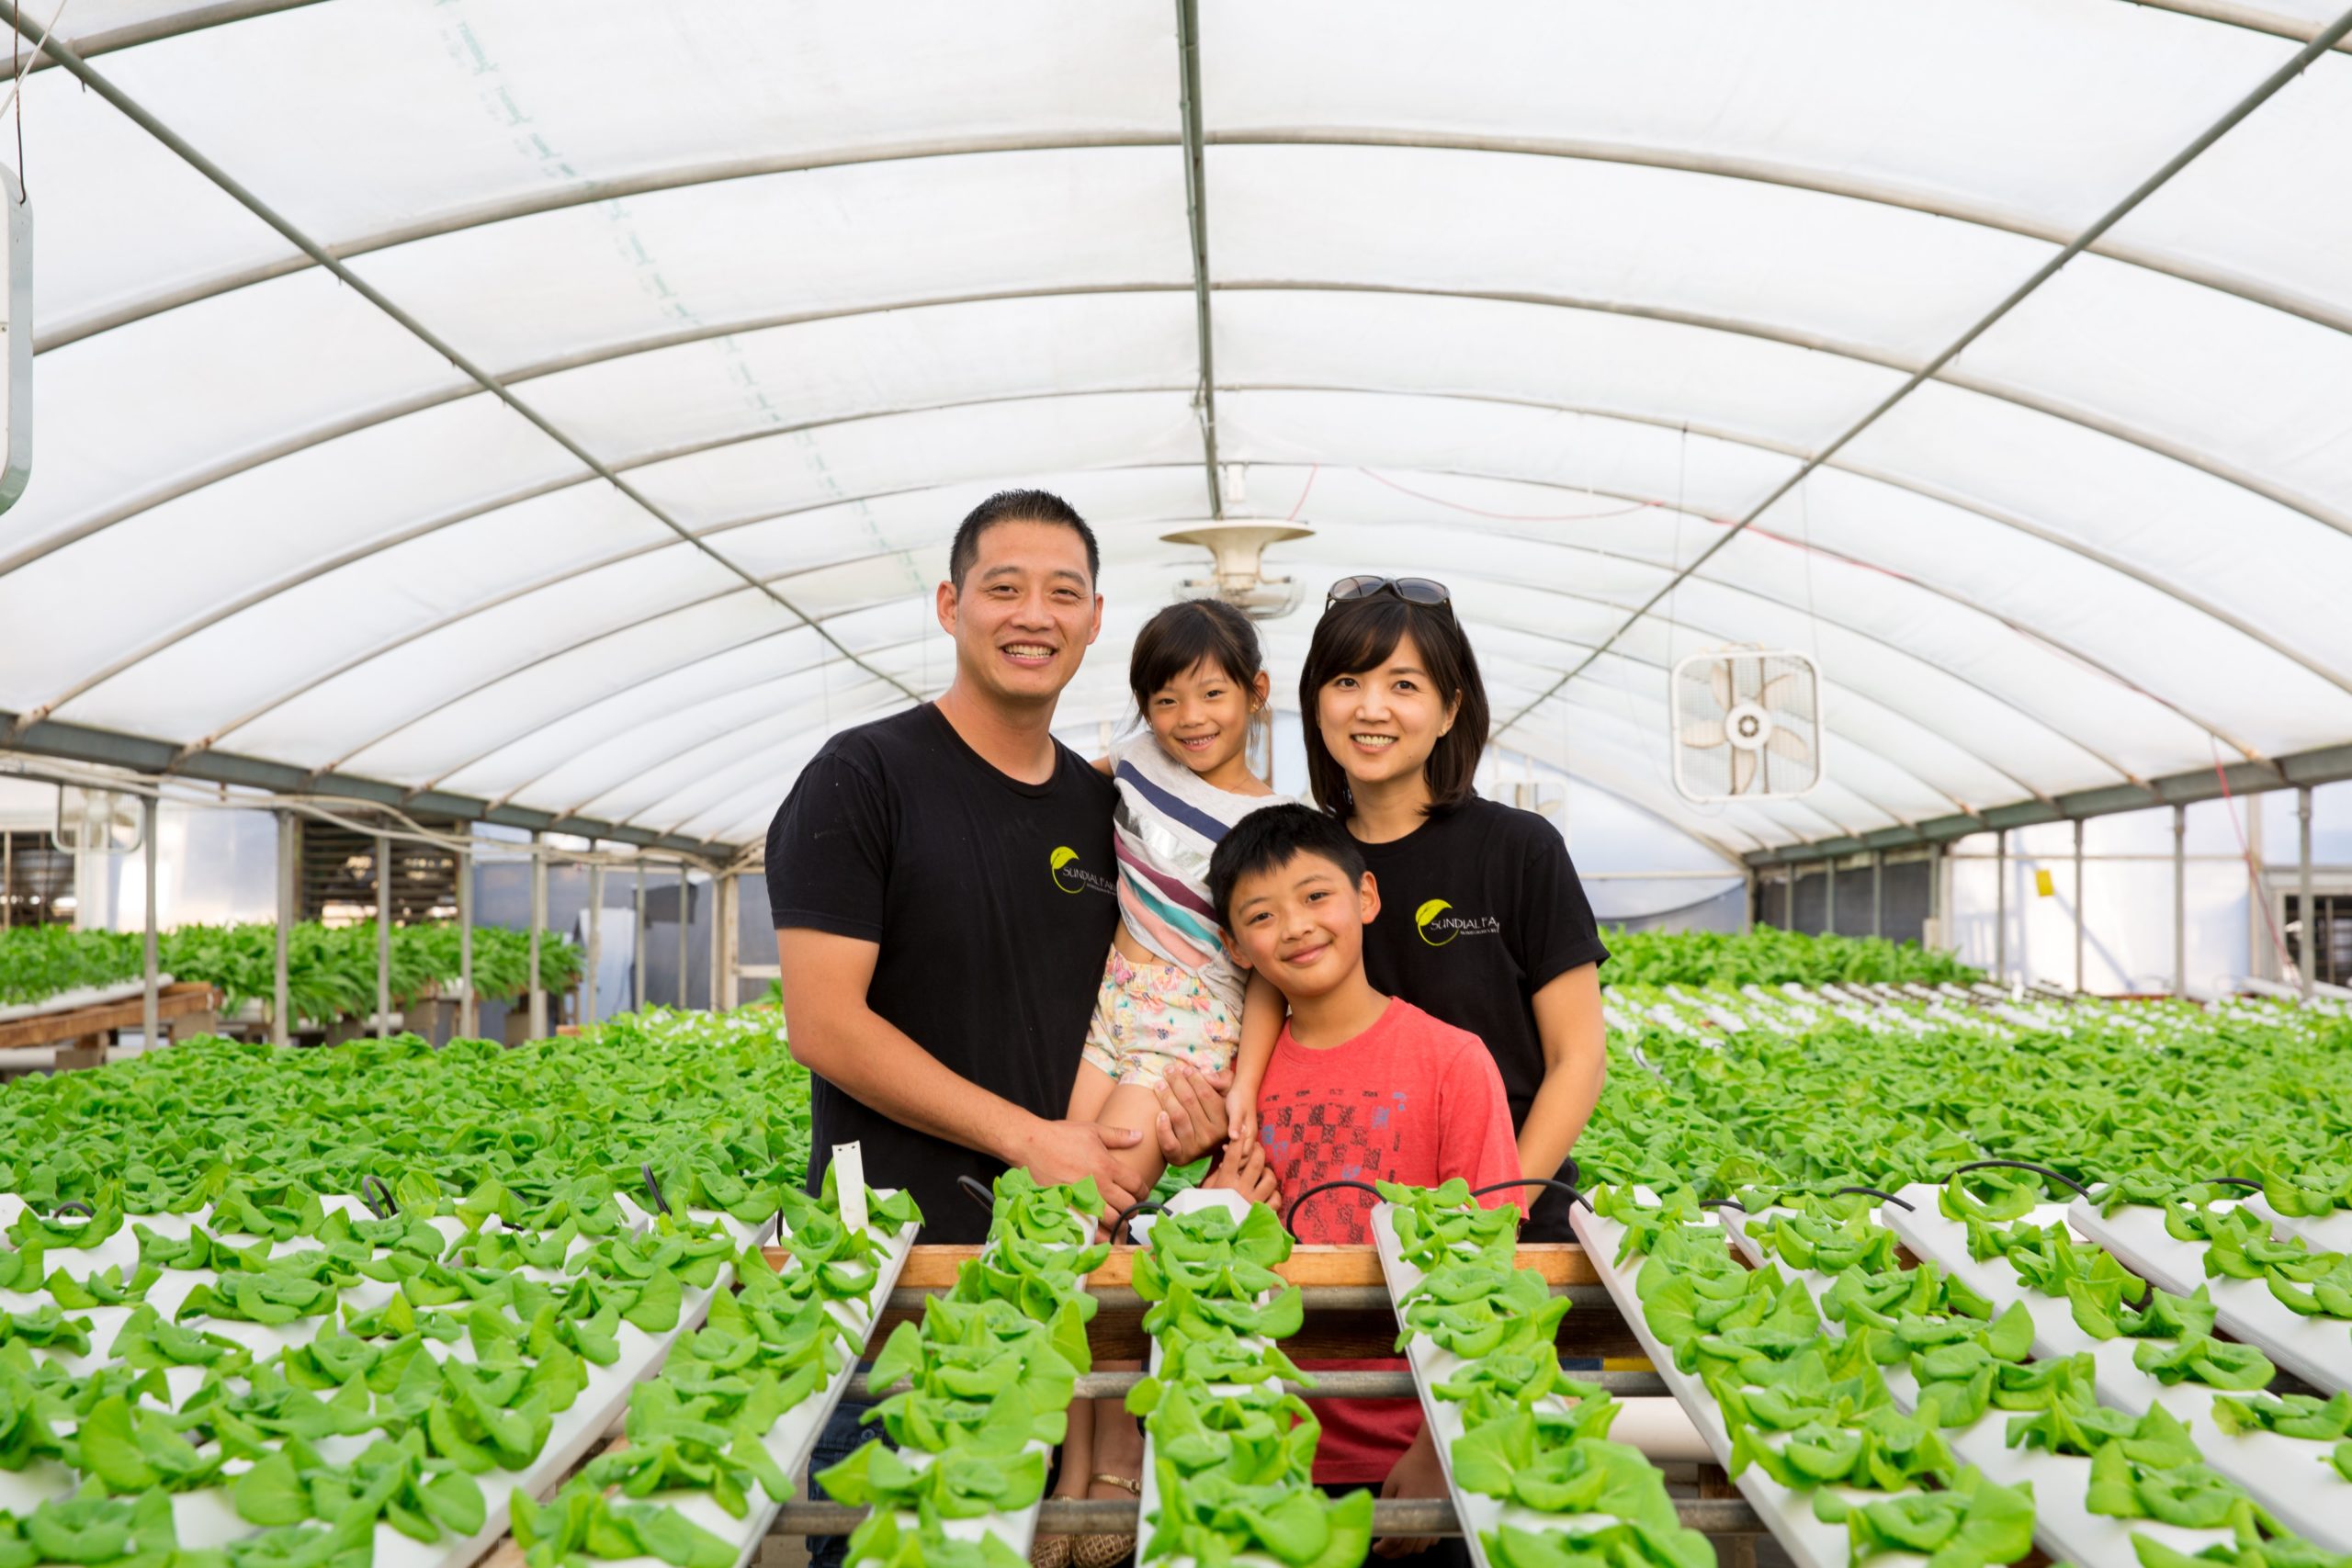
[1057, 1152]
[1243, 1170]
[1191, 1114]
[1415, 1474]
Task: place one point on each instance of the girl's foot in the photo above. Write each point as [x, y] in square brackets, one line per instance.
[1106, 1551]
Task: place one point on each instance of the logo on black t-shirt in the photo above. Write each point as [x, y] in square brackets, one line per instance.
[1432, 917]
[1072, 877]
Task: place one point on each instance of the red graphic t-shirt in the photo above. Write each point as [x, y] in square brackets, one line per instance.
[1412, 1100]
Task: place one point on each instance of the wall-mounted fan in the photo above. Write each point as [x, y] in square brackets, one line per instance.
[1746, 725]
[97, 821]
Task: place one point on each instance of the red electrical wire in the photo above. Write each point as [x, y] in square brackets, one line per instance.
[2253, 881]
[1507, 516]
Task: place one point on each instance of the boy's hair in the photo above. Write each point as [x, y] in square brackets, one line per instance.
[1185, 634]
[1361, 634]
[1270, 839]
[1017, 506]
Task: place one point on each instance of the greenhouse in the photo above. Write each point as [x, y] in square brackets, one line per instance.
[1542, 786]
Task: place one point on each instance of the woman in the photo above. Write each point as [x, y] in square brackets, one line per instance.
[1484, 925]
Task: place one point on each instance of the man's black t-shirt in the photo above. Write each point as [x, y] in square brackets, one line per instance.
[993, 902]
[1479, 910]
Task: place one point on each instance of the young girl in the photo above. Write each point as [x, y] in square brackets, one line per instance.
[1486, 925]
[1169, 994]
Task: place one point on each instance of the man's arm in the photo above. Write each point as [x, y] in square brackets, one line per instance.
[1576, 1061]
[837, 1036]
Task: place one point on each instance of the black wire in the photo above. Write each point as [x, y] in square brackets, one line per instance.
[1723, 1203]
[1290, 1220]
[654, 1186]
[1874, 1192]
[978, 1192]
[1567, 1187]
[69, 1206]
[2233, 1181]
[2042, 1170]
[384, 1211]
[1130, 1212]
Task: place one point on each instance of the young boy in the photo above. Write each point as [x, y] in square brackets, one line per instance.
[1361, 1086]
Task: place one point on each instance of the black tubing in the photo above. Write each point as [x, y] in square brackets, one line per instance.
[978, 1193]
[1723, 1203]
[1290, 1219]
[384, 1210]
[654, 1186]
[2042, 1170]
[1130, 1212]
[1875, 1192]
[69, 1205]
[1568, 1187]
[2232, 1181]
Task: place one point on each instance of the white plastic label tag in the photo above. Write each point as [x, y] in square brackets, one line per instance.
[2017, 990]
[849, 1184]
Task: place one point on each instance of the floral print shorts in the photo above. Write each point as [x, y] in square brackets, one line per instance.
[1151, 1016]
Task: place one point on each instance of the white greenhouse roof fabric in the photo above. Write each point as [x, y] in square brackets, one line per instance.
[1546, 300]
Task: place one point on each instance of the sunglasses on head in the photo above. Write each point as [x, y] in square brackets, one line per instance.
[1412, 590]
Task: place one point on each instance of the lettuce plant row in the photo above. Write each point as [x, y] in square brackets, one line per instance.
[1770, 957]
[1229, 1450]
[1522, 1431]
[330, 970]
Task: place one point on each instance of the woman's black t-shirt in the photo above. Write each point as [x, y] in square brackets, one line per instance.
[993, 903]
[1479, 910]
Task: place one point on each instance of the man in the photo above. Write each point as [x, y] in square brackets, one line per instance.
[943, 892]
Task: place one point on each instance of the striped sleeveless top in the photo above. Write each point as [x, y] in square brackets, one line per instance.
[1167, 824]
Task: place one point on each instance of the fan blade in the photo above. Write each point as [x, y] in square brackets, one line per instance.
[1779, 689]
[1719, 680]
[1743, 770]
[1705, 732]
[1786, 742]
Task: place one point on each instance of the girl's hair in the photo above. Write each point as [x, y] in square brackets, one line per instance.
[1356, 635]
[1183, 635]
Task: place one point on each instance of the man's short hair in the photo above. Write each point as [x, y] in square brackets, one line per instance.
[1018, 506]
[1270, 839]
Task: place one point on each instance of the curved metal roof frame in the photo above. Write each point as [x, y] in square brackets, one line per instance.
[1193, 140]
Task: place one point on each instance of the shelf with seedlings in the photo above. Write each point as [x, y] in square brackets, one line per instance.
[711, 1443]
[1229, 1450]
[2153, 1357]
[989, 1375]
[1804, 1420]
[1535, 1479]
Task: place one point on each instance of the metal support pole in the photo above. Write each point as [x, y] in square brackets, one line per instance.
[1748, 904]
[2306, 950]
[685, 897]
[290, 856]
[1878, 892]
[2180, 900]
[588, 1008]
[383, 936]
[539, 924]
[2001, 904]
[469, 1009]
[2078, 904]
[717, 907]
[147, 1010]
[1829, 897]
[1789, 901]
[637, 962]
[7, 881]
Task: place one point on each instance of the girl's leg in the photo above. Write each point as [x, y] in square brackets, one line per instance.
[1089, 1093]
[1133, 1106]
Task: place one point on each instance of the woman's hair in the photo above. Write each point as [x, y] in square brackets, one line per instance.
[1356, 635]
[1183, 635]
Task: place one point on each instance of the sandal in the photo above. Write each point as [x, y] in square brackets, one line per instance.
[1050, 1551]
[1106, 1551]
